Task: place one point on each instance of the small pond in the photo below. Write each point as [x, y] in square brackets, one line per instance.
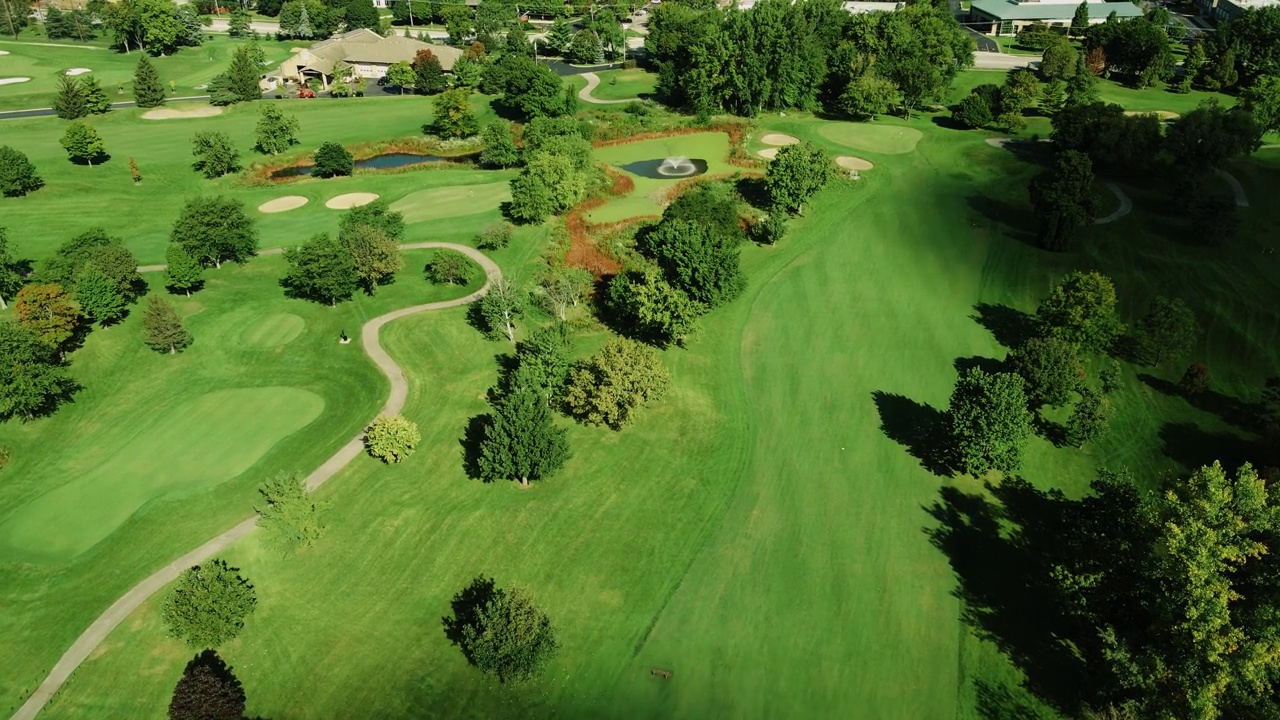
[667, 168]
[377, 162]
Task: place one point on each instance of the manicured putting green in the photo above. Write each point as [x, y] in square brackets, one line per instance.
[448, 202]
[191, 446]
[273, 330]
[883, 139]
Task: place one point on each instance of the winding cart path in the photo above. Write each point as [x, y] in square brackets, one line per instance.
[131, 600]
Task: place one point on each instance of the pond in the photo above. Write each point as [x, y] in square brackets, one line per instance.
[667, 168]
[377, 162]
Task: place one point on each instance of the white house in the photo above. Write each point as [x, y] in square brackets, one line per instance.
[1007, 17]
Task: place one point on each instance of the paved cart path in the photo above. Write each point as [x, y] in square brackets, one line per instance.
[131, 600]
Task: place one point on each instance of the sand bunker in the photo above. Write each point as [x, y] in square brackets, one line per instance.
[848, 162]
[1162, 114]
[13, 80]
[350, 200]
[78, 71]
[4, 52]
[281, 204]
[768, 153]
[779, 139]
[998, 142]
[172, 114]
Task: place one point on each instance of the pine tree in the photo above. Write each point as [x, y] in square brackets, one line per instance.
[95, 98]
[162, 329]
[148, 92]
[243, 76]
[560, 35]
[1080, 22]
[304, 23]
[70, 103]
[182, 271]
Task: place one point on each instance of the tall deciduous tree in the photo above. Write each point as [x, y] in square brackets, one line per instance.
[401, 75]
[374, 254]
[1089, 418]
[33, 380]
[1049, 368]
[320, 269]
[453, 116]
[83, 144]
[207, 690]
[49, 311]
[162, 328]
[17, 175]
[182, 270]
[1168, 330]
[521, 441]
[795, 174]
[288, 515]
[610, 387]
[12, 273]
[215, 154]
[499, 146]
[651, 308]
[990, 423]
[70, 103]
[701, 259]
[148, 91]
[563, 287]
[99, 295]
[276, 132]
[215, 230]
[1262, 100]
[549, 183]
[501, 631]
[208, 604]
[1082, 311]
[499, 309]
[429, 77]
[1063, 199]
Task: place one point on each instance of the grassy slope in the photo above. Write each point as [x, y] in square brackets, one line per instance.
[187, 68]
[625, 84]
[143, 214]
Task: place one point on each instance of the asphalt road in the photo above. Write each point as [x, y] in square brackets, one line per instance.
[41, 112]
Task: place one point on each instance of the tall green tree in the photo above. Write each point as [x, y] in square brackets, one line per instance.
[17, 175]
[70, 102]
[14, 16]
[649, 307]
[275, 131]
[453, 116]
[501, 631]
[611, 386]
[320, 269]
[521, 441]
[429, 77]
[12, 271]
[499, 309]
[288, 515]
[795, 175]
[99, 296]
[499, 146]
[401, 75]
[699, 258]
[215, 229]
[162, 31]
[33, 379]
[49, 311]
[1168, 330]
[208, 604]
[94, 246]
[1080, 20]
[1089, 418]
[1063, 199]
[1262, 100]
[95, 98]
[549, 184]
[1061, 59]
[207, 690]
[559, 35]
[1049, 369]
[215, 154]
[162, 328]
[1081, 309]
[183, 270]
[374, 254]
[83, 144]
[148, 91]
[332, 160]
[244, 74]
[868, 95]
[990, 423]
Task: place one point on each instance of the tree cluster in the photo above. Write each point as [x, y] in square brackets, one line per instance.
[557, 165]
[1136, 48]
[80, 96]
[366, 254]
[157, 26]
[99, 272]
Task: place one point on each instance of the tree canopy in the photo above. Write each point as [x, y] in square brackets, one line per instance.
[320, 269]
[611, 386]
[215, 229]
[33, 379]
[1081, 309]
[501, 631]
[990, 423]
[208, 604]
[17, 175]
[521, 441]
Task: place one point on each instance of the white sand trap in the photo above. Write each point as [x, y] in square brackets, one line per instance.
[1162, 114]
[768, 153]
[350, 200]
[165, 113]
[4, 52]
[779, 139]
[998, 142]
[848, 162]
[78, 71]
[282, 204]
[13, 80]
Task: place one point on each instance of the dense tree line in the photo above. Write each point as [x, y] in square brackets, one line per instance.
[157, 26]
[780, 55]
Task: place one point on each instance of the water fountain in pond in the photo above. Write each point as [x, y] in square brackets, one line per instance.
[677, 167]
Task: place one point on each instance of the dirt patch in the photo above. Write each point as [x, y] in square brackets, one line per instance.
[848, 162]
[779, 139]
[282, 204]
[1162, 114]
[768, 153]
[350, 200]
[173, 114]
[78, 71]
[13, 80]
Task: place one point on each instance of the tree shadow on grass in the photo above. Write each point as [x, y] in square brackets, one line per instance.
[1055, 433]
[1235, 411]
[1010, 326]
[1193, 447]
[986, 364]
[754, 192]
[921, 429]
[999, 702]
[470, 441]
[466, 607]
[1002, 554]
[1012, 218]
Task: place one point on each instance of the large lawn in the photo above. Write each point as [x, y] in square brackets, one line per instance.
[45, 62]
[761, 531]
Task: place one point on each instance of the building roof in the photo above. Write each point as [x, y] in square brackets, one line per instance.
[364, 47]
[1059, 10]
[858, 8]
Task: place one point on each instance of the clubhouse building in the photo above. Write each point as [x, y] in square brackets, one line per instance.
[1007, 17]
[365, 52]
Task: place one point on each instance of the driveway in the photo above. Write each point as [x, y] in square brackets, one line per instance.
[1002, 61]
[985, 44]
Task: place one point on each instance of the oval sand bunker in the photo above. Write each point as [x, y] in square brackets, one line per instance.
[273, 331]
[172, 114]
[282, 204]
[768, 153]
[13, 80]
[848, 162]
[350, 200]
[779, 139]
[78, 71]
